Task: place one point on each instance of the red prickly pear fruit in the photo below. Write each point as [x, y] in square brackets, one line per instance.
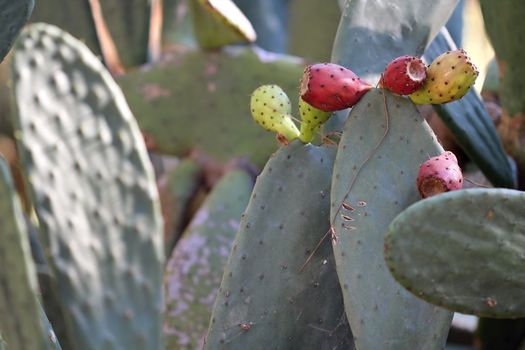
[330, 87]
[404, 75]
[439, 174]
[449, 78]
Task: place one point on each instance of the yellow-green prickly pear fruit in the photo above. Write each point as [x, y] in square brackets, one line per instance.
[311, 120]
[449, 77]
[272, 110]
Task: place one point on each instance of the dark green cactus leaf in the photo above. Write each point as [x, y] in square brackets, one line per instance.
[182, 184]
[52, 340]
[194, 271]
[463, 250]
[270, 21]
[374, 180]
[93, 189]
[313, 25]
[128, 22]
[74, 17]
[201, 100]
[265, 301]
[14, 15]
[472, 126]
[503, 22]
[20, 322]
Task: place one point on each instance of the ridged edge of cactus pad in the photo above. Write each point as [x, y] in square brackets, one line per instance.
[14, 15]
[194, 271]
[94, 191]
[463, 250]
[20, 324]
[374, 180]
[265, 301]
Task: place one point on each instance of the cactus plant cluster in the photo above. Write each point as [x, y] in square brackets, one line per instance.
[329, 248]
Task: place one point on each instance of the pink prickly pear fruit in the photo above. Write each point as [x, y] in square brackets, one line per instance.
[271, 109]
[449, 78]
[404, 75]
[330, 87]
[439, 174]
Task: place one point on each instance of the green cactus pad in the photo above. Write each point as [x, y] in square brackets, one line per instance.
[265, 301]
[373, 33]
[20, 324]
[201, 100]
[374, 180]
[472, 126]
[14, 15]
[312, 25]
[183, 183]
[51, 337]
[128, 22]
[194, 271]
[93, 189]
[463, 250]
[74, 17]
[218, 23]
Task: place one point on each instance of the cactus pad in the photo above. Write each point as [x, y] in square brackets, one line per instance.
[14, 16]
[463, 250]
[93, 189]
[265, 301]
[218, 84]
[218, 23]
[375, 179]
[194, 271]
[20, 323]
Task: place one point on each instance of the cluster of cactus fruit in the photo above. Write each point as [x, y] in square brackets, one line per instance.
[328, 87]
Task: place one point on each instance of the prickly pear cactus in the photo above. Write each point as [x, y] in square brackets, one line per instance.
[222, 81]
[481, 232]
[93, 189]
[383, 144]
[20, 325]
[270, 296]
[372, 33]
[194, 271]
[472, 126]
[14, 15]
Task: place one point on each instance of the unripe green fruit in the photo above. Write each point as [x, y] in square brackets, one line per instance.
[312, 119]
[449, 77]
[271, 109]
